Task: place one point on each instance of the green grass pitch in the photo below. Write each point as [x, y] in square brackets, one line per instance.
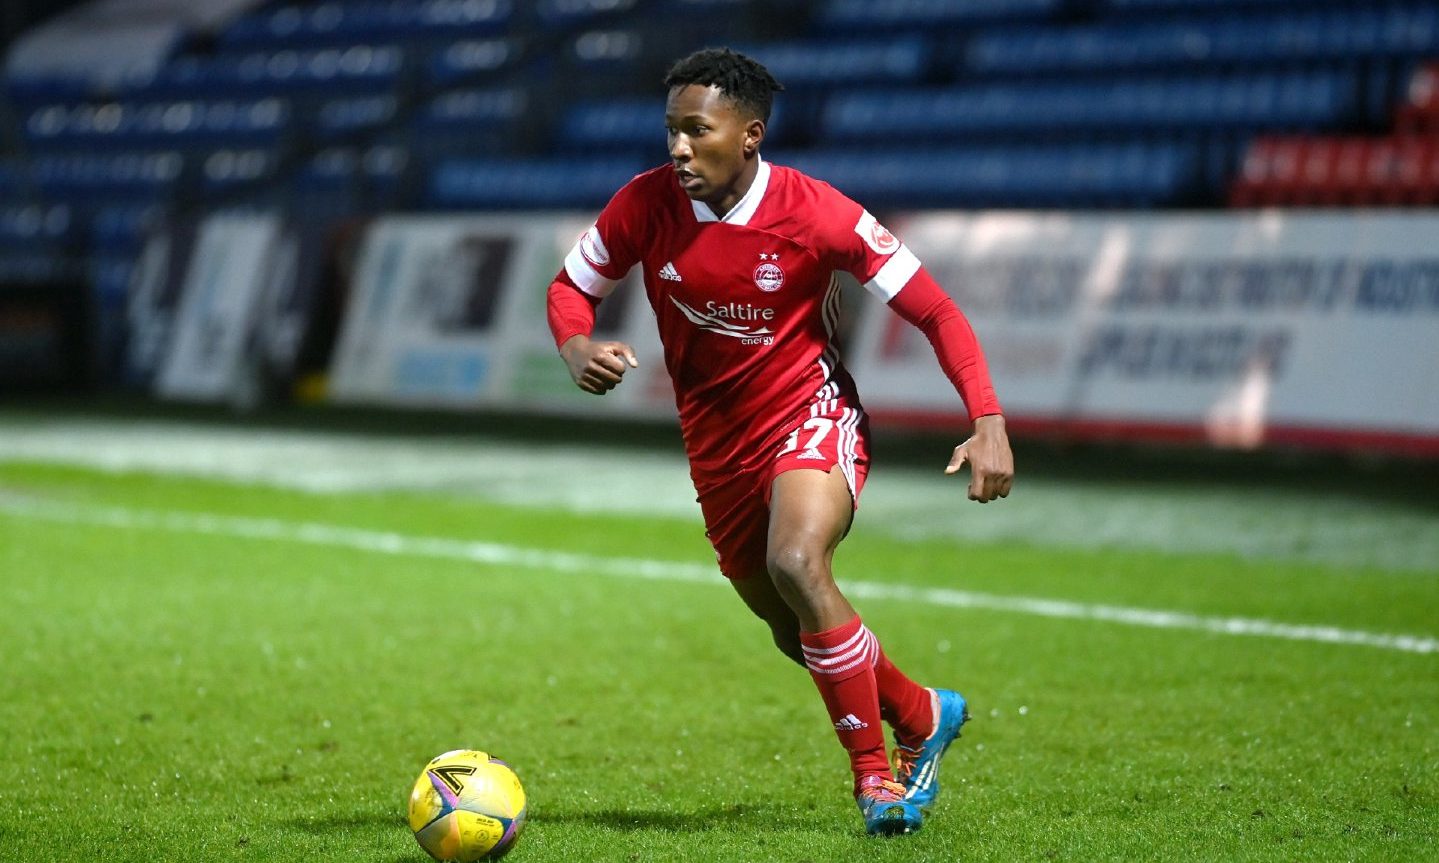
[199, 670]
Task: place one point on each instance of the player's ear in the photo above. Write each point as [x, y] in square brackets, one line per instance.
[753, 135]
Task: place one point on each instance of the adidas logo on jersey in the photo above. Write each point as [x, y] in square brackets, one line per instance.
[810, 453]
[668, 271]
[850, 723]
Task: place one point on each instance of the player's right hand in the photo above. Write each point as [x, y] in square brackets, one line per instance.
[597, 367]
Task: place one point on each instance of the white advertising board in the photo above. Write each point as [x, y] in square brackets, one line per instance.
[225, 283]
[1235, 329]
[1238, 329]
[449, 311]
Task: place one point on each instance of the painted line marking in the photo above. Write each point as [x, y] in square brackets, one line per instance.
[388, 542]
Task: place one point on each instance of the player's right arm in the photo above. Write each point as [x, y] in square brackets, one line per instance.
[599, 259]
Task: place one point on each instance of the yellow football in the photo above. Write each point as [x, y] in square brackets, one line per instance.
[467, 806]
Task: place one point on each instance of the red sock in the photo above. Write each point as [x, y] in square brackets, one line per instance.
[841, 661]
[904, 704]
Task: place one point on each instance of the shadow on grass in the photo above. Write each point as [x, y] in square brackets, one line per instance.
[664, 821]
[350, 821]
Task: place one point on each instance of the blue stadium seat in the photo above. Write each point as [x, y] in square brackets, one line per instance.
[29, 90]
[462, 61]
[606, 51]
[1324, 35]
[628, 123]
[866, 16]
[633, 124]
[340, 23]
[12, 178]
[343, 119]
[26, 225]
[468, 121]
[829, 63]
[327, 183]
[86, 178]
[450, 18]
[121, 229]
[37, 266]
[387, 174]
[564, 14]
[356, 69]
[1144, 106]
[1122, 6]
[162, 124]
[225, 170]
[1033, 176]
[528, 183]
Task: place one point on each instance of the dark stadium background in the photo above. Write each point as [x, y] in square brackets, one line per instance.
[334, 116]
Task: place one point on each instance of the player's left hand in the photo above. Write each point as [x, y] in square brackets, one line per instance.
[991, 464]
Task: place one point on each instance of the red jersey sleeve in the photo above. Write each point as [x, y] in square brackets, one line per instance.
[595, 264]
[570, 311]
[865, 249]
[604, 253]
[889, 270]
[924, 303]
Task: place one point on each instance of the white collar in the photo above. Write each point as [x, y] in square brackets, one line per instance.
[745, 207]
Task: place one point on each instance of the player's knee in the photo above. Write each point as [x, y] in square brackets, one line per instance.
[793, 565]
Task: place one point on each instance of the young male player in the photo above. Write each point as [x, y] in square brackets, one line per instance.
[739, 259]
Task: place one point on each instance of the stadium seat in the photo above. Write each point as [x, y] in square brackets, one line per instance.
[133, 176]
[1133, 6]
[629, 123]
[163, 124]
[120, 230]
[1312, 35]
[354, 69]
[25, 225]
[226, 170]
[566, 14]
[632, 124]
[1146, 105]
[470, 121]
[470, 59]
[1104, 175]
[867, 16]
[528, 183]
[1268, 167]
[832, 63]
[1339, 171]
[339, 120]
[387, 176]
[340, 23]
[1418, 113]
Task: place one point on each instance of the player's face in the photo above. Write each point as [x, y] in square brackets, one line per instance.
[712, 145]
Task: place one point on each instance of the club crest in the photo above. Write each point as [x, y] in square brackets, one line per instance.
[768, 277]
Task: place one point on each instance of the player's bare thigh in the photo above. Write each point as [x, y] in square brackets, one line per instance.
[810, 512]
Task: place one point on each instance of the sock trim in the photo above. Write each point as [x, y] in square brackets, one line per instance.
[861, 649]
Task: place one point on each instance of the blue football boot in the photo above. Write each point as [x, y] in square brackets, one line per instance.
[886, 812]
[918, 769]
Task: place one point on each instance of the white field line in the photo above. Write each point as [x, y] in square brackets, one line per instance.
[388, 542]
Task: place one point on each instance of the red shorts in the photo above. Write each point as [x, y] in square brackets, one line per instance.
[736, 508]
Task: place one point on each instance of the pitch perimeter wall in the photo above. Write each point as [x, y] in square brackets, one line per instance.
[1246, 330]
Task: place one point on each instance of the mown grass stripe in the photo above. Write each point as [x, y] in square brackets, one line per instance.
[500, 554]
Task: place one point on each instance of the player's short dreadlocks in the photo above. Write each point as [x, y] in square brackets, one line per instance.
[742, 80]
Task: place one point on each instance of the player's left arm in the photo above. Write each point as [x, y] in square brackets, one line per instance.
[889, 270]
[922, 302]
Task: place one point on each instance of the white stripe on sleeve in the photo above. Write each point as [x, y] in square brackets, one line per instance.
[584, 274]
[895, 274]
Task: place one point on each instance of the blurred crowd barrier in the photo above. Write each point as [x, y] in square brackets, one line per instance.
[1246, 330]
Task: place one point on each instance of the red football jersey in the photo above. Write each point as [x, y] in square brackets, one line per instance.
[747, 304]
